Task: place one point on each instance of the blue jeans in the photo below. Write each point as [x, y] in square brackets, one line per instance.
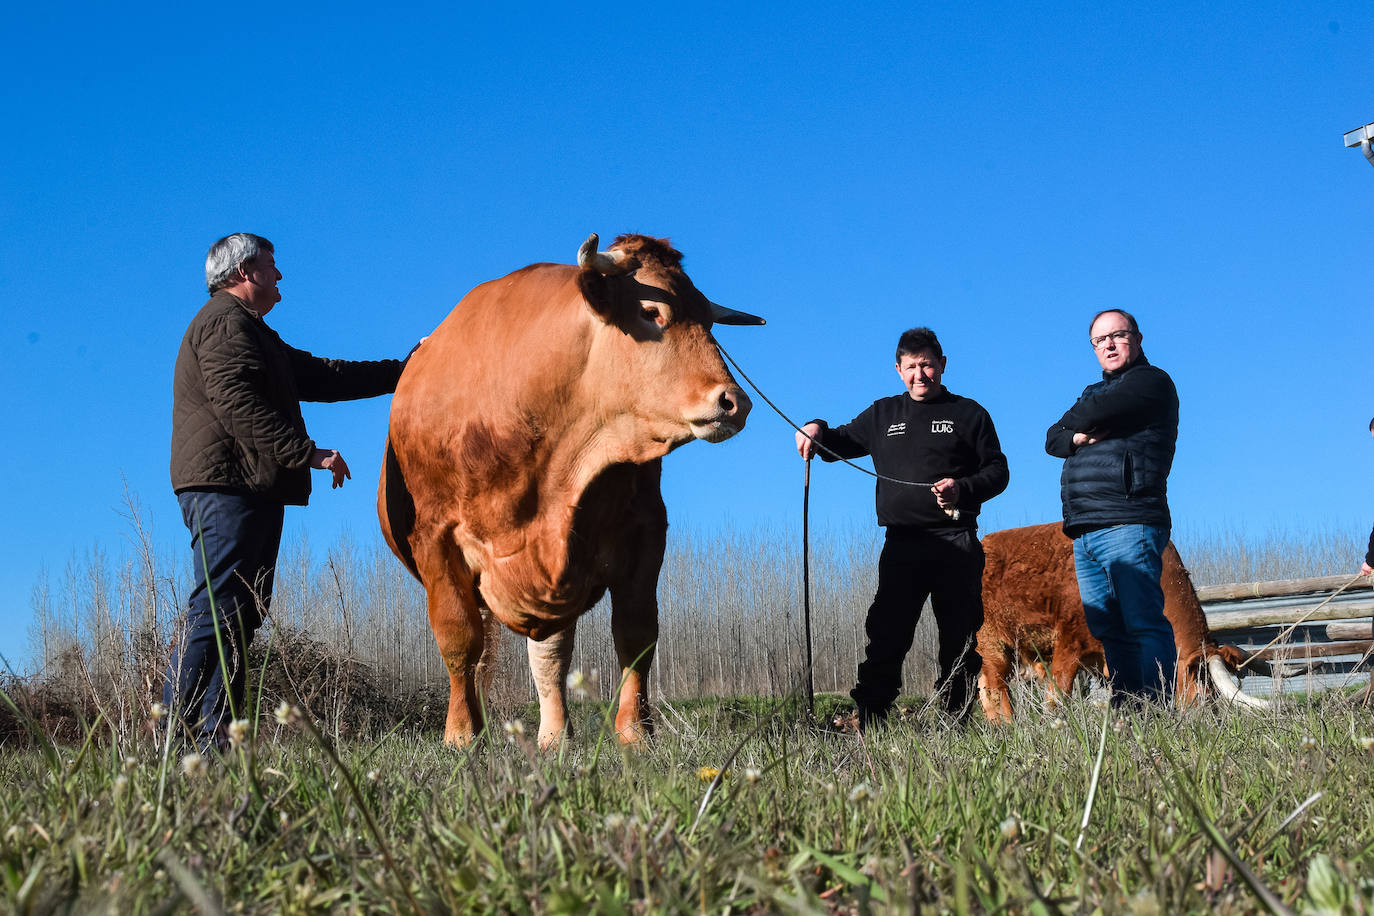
[1118, 579]
[234, 542]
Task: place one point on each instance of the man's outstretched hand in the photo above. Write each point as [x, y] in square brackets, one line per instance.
[328, 459]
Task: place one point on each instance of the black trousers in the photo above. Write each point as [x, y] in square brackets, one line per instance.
[947, 567]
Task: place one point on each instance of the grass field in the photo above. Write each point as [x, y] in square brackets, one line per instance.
[354, 805]
[1194, 813]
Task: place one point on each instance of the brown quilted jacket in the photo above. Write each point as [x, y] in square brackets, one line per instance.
[236, 393]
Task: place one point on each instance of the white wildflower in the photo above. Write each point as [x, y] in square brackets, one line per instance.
[1309, 742]
[515, 728]
[157, 711]
[373, 776]
[1010, 828]
[615, 821]
[577, 683]
[752, 775]
[121, 783]
[193, 764]
[860, 793]
[1367, 743]
[238, 732]
[285, 713]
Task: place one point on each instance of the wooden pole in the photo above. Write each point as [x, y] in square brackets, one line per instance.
[1275, 589]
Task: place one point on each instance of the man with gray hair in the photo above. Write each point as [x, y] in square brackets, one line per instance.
[240, 455]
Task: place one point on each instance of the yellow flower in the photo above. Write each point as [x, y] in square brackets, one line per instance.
[706, 774]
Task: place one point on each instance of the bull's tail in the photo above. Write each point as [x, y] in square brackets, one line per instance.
[396, 509]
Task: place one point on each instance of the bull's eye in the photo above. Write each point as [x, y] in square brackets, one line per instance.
[649, 313]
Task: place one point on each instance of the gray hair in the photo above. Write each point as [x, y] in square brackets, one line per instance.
[230, 253]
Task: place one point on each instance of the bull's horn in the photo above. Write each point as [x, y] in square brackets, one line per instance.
[1228, 688]
[607, 263]
[722, 315]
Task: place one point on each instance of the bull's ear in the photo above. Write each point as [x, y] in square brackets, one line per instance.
[604, 295]
[722, 315]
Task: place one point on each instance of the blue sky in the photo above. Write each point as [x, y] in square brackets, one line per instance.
[997, 171]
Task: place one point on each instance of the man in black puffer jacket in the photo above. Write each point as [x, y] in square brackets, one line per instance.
[240, 455]
[1117, 443]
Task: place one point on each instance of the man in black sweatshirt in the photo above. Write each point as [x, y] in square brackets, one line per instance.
[941, 459]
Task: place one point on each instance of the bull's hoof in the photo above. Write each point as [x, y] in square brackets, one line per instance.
[459, 739]
[553, 739]
[634, 731]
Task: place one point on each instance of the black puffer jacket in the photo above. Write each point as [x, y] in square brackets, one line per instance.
[236, 393]
[1122, 479]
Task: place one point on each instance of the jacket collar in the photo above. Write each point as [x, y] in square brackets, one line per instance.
[239, 302]
[1139, 361]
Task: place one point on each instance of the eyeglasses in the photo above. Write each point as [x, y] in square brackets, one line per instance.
[1100, 340]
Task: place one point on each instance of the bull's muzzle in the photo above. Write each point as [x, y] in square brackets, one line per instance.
[730, 407]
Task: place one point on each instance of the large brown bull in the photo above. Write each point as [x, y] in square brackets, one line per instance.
[1033, 614]
[523, 458]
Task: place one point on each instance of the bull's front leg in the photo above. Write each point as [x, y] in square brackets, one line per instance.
[634, 603]
[460, 634]
[634, 626]
[550, 659]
